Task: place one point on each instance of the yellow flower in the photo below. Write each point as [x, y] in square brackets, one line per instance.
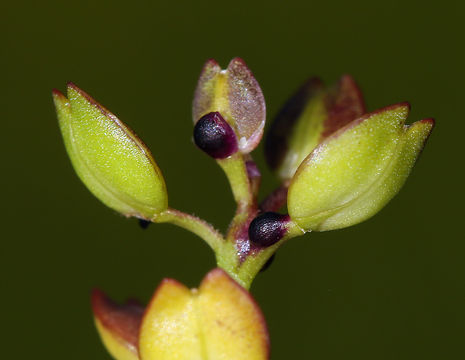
[219, 320]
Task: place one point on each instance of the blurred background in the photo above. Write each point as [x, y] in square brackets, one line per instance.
[390, 288]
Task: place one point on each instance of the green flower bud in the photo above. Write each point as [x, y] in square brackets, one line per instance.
[114, 164]
[309, 116]
[236, 95]
[351, 175]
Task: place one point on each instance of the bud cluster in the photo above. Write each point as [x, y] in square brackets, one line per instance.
[338, 165]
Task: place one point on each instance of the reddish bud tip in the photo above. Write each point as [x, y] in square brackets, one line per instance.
[122, 321]
[214, 135]
[252, 169]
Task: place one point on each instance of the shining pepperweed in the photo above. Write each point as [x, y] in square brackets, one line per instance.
[337, 165]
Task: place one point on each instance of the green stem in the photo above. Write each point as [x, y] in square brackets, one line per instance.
[236, 172]
[195, 225]
[254, 262]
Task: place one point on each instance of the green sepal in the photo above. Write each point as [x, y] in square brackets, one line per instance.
[114, 164]
[351, 175]
[312, 114]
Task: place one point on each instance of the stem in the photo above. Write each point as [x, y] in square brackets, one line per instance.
[236, 172]
[253, 174]
[195, 225]
[235, 168]
[254, 262]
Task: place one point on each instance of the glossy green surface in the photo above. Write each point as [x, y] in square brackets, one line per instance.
[389, 288]
[110, 159]
[305, 136]
[350, 176]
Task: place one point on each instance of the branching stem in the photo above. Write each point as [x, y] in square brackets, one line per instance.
[234, 253]
[255, 261]
[195, 225]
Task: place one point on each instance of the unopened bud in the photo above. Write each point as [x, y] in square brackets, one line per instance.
[236, 94]
[355, 172]
[111, 160]
[312, 114]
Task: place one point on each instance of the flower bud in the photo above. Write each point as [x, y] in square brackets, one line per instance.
[213, 135]
[351, 175]
[230, 323]
[268, 228]
[310, 115]
[114, 164]
[236, 94]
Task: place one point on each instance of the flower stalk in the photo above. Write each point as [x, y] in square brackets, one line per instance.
[195, 225]
[337, 166]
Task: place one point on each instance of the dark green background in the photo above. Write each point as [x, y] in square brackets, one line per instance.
[390, 288]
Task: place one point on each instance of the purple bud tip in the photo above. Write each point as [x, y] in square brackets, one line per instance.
[268, 228]
[213, 135]
[252, 169]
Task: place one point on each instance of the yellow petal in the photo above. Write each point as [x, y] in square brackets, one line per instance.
[232, 323]
[219, 321]
[170, 327]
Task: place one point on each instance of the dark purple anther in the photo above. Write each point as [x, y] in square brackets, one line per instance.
[268, 228]
[213, 135]
[144, 224]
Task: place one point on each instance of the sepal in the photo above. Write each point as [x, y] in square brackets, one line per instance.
[312, 114]
[114, 164]
[117, 325]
